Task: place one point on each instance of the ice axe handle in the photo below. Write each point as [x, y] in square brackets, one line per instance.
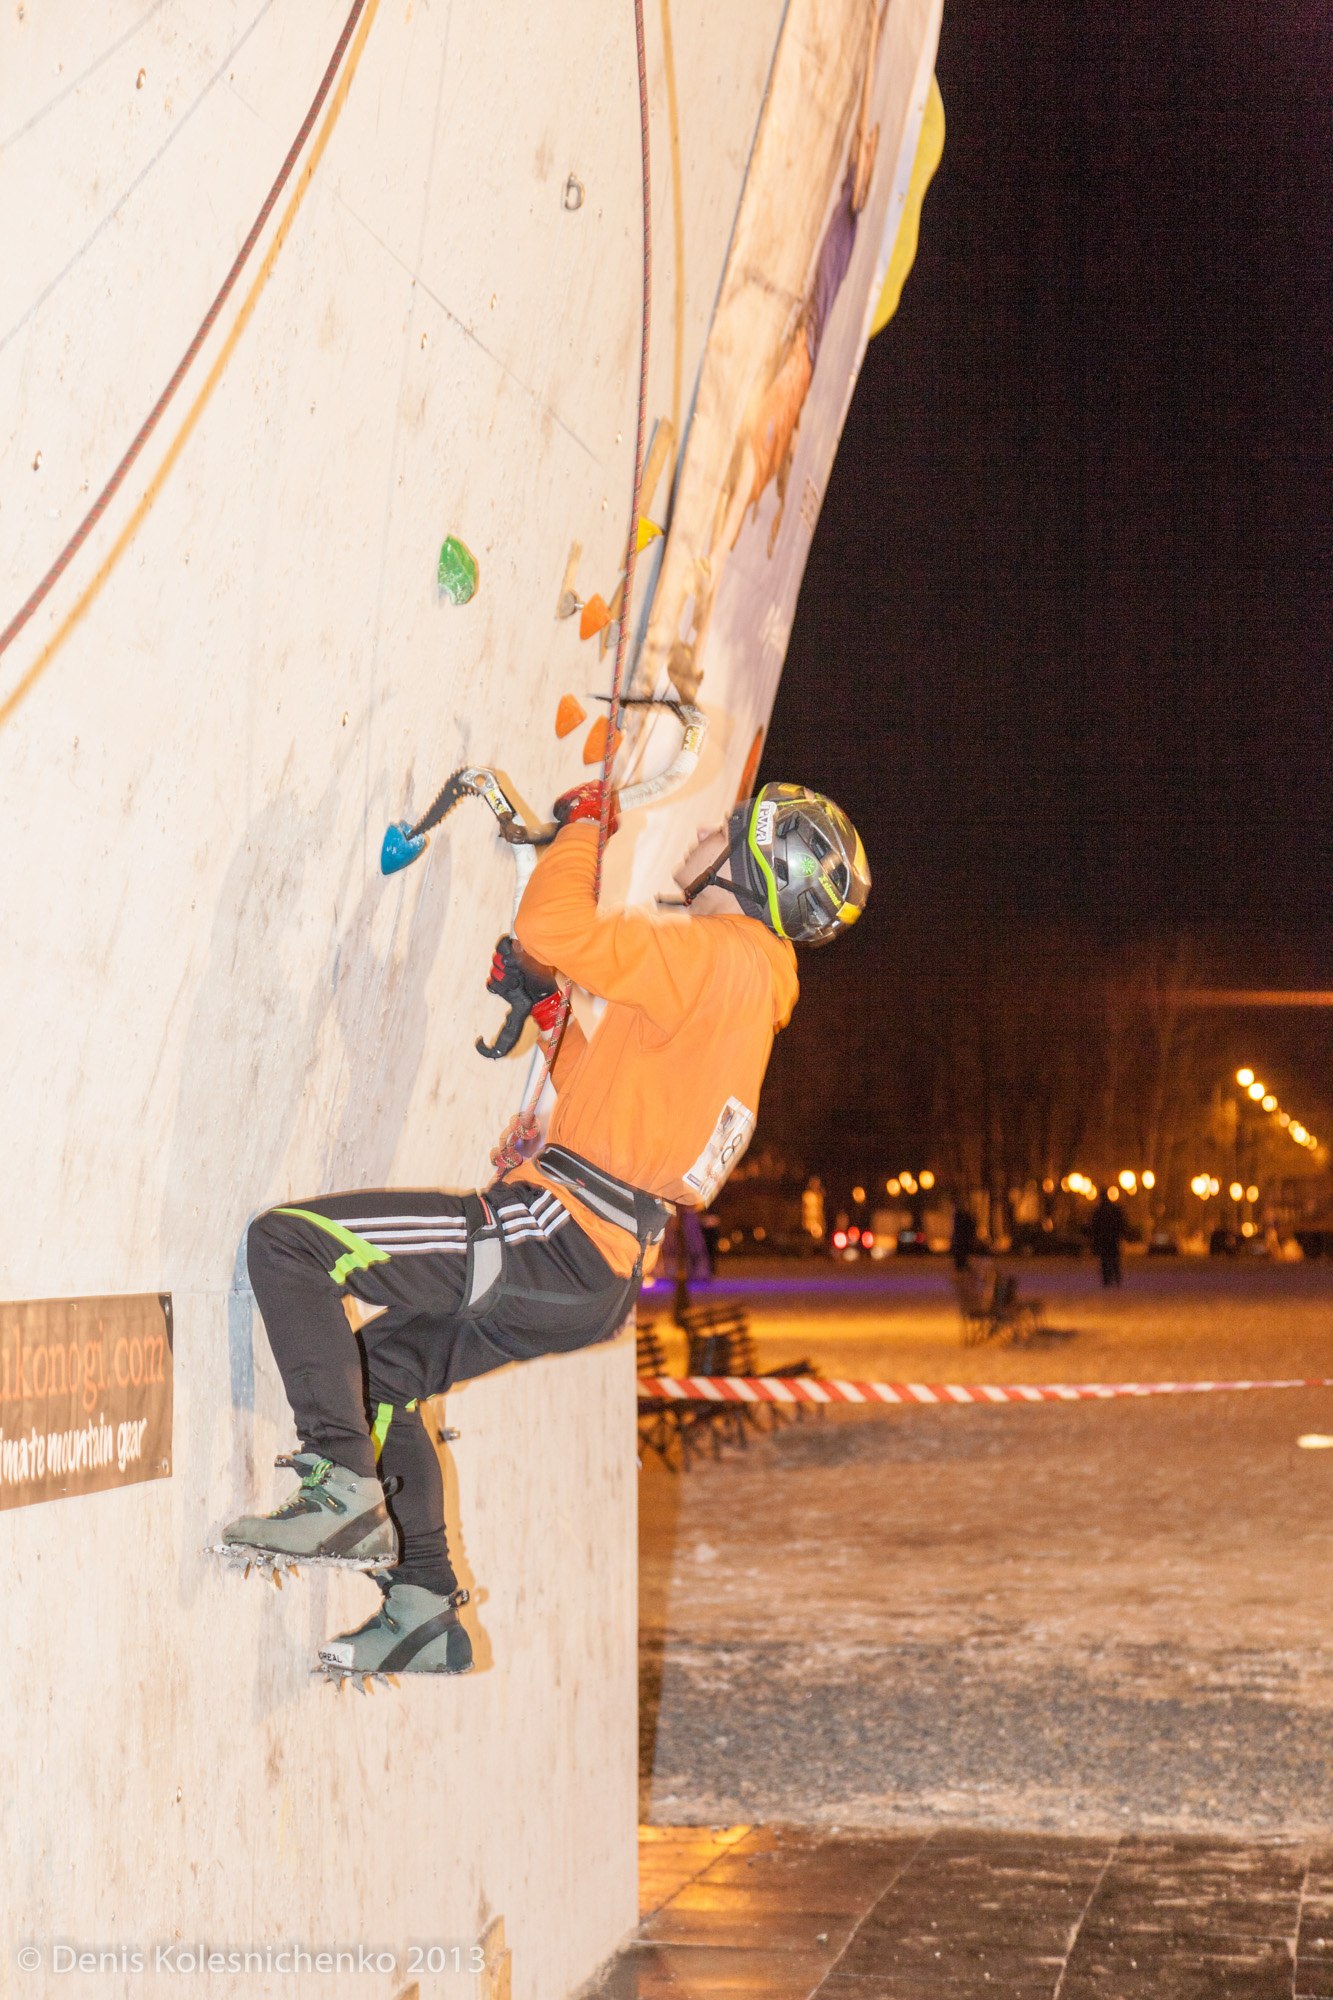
[517, 986]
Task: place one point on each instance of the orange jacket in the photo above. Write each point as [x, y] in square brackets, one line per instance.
[665, 1093]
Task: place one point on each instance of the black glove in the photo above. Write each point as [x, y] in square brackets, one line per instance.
[515, 978]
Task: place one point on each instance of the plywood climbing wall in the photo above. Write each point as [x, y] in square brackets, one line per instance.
[212, 999]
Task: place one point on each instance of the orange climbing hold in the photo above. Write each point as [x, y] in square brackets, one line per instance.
[569, 715]
[595, 616]
[594, 750]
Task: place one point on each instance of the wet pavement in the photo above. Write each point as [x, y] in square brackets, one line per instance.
[1032, 1702]
[774, 1913]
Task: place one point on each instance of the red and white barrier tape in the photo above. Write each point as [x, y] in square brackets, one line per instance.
[810, 1389]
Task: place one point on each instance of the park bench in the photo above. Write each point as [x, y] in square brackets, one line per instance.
[991, 1309]
[721, 1343]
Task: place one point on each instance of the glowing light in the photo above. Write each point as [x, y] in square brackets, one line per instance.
[760, 1232]
[1284, 1118]
[840, 1239]
[1199, 1186]
[1048, 1187]
[894, 1186]
[1149, 1179]
[853, 1236]
[1245, 1077]
[1298, 1133]
[1214, 1185]
[1315, 1441]
[927, 1179]
[909, 1183]
[1251, 1194]
[1247, 1229]
[858, 1194]
[1269, 1103]
[868, 1238]
[1128, 1180]
[1236, 1191]
[1258, 1091]
[1113, 1194]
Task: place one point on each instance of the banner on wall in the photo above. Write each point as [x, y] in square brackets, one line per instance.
[85, 1395]
[829, 184]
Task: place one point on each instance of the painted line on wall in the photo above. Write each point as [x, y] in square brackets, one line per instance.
[365, 10]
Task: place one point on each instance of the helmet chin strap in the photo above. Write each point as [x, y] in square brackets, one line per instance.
[752, 905]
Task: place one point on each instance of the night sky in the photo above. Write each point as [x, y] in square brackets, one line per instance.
[1063, 643]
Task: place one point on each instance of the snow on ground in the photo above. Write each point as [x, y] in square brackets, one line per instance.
[1079, 1617]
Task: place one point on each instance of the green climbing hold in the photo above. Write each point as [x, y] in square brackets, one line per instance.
[457, 573]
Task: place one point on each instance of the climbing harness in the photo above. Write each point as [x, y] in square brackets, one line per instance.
[630, 1207]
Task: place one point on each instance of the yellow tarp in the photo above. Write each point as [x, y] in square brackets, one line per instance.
[929, 151]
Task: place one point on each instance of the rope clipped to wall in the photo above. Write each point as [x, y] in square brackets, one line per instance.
[522, 1131]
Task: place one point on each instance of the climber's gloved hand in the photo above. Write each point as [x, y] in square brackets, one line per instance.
[515, 975]
[546, 1012]
[527, 988]
[585, 802]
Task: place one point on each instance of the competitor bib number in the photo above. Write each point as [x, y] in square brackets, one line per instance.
[730, 1136]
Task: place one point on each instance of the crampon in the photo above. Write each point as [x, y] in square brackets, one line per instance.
[335, 1519]
[415, 1631]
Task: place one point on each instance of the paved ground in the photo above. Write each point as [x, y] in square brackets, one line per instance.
[1034, 1702]
[777, 1914]
[1085, 1619]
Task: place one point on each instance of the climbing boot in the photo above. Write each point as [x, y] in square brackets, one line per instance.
[335, 1518]
[415, 1631]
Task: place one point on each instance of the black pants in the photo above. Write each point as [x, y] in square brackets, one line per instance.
[1110, 1263]
[467, 1283]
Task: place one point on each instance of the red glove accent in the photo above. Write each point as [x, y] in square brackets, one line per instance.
[497, 968]
[585, 802]
[546, 1012]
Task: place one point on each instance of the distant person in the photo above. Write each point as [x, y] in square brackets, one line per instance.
[1107, 1230]
[963, 1239]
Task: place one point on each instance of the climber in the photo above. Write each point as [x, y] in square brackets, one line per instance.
[655, 1108]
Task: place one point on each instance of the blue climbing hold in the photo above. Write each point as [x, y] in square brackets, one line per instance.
[401, 847]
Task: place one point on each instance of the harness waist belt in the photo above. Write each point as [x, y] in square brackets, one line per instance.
[631, 1208]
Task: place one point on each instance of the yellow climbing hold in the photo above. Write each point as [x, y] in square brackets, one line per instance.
[648, 532]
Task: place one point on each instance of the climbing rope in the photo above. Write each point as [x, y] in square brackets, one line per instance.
[206, 325]
[522, 1131]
